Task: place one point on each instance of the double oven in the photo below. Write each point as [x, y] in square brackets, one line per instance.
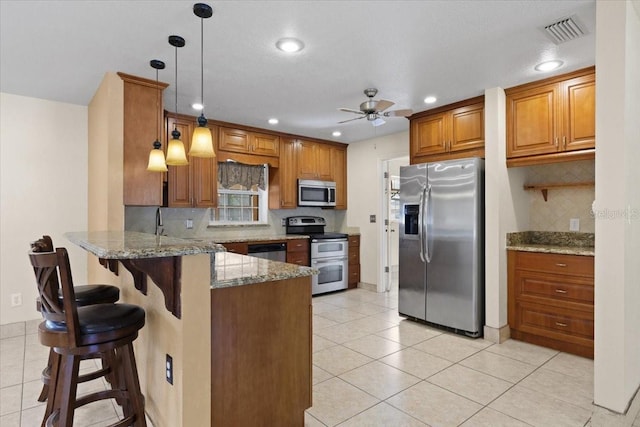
[329, 253]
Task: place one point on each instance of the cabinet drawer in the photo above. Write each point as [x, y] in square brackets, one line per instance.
[354, 241]
[555, 263]
[549, 321]
[300, 258]
[241, 248]
[354, 255]
[354, 273]
[539, 285]
[298, 245]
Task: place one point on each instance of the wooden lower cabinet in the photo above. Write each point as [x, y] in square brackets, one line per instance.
[261, 353]
[354, 261]
[241, 248]
[550, 299]
[298, 251]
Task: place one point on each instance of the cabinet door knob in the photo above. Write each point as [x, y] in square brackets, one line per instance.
[563, 325]
[556, 141]
[561, 291]
[559, 264]
[564, 142]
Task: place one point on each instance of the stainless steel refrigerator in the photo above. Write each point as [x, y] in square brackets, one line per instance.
[441, 278]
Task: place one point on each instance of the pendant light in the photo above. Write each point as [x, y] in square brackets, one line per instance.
[156, 155]
[202, 142]
[175, 148]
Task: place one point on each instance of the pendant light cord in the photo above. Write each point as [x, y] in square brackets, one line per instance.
[202, 63]
[176, 85]
[157, 103]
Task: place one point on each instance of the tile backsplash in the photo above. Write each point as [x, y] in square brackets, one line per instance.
[562, 203]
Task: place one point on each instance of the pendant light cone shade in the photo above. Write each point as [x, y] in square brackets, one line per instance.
[156, 155]
[202, 141]
[176, 155]
[156, 159]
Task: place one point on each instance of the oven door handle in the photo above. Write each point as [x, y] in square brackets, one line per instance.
[339, 239]
[325, 261]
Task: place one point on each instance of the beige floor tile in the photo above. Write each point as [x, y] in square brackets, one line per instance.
[319, 375]
[342, 315]
[33, 369]
[390, 316]
[320, 343]
[373, 346]
[488, 417]
[474, 385]
[379, 379]
[32, 417]
[434, 405]
[320, 322]
[416, 363]
[30, 392]
[335, 401]
[323, 307]
[97, 413]
[382, 415]
[448, 347]
[11, 361]
[576, 390]
[369, 324]
[571, 365]
[341, 333]
[11, 399]
[539, 409]
[310, 421]
[409, 333]
[10, 420]
[12, 330]
[32, 326]
[338, 360]
[368, 309]
[524, 352]
[498, 366]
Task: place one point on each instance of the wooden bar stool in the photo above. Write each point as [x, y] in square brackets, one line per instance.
[75, 333]
[85, 295]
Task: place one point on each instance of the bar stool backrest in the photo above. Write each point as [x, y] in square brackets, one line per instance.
[52, 271]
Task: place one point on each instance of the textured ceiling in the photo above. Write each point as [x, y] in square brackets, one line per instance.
[60, 50]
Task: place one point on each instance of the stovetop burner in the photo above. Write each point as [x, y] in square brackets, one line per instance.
[312, 226]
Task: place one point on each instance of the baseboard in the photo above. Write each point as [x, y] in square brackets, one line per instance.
[368, 286]
[497, 335]
[603, 417]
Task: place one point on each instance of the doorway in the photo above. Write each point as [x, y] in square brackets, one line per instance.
[390, 223]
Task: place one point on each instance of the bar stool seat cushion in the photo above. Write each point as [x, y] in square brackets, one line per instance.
[122, 319]
[94, 294]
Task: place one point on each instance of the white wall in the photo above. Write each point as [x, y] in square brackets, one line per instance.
[43, 190]
[365, 194]
[617, 271]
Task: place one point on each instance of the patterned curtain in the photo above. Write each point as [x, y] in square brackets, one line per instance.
[232, 173]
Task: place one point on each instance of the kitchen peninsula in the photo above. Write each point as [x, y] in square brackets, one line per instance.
[242, 322]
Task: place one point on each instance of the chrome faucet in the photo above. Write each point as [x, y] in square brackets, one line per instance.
[158, 221]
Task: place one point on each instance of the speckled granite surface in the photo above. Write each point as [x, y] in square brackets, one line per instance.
[246, 238]
[569, 243]
[135, 245]
[236, 270]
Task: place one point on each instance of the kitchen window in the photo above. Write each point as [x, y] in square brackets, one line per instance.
[242, 194]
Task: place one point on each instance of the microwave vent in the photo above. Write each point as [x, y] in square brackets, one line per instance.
[565, 30]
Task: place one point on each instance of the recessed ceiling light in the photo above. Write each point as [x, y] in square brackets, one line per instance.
[549, 65]
[336, 133]
[430, 100]
[197, 106]
[290, 45]
[273, 121]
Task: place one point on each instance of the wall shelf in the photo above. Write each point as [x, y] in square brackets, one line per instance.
[546, 186]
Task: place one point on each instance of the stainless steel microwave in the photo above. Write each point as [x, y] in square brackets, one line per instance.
[316, 193]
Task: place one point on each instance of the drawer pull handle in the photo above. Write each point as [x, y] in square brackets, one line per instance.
[561, 291]
[560, 264]
[564, 325]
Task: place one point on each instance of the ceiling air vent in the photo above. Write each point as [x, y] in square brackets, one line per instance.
[564, 30]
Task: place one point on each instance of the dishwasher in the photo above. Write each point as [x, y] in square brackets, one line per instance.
[270, 251]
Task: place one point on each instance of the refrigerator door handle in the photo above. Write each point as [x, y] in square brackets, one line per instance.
[421, 223]
[427, 196]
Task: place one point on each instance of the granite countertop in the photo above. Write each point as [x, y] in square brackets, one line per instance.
[135, 245]
[235, 270]
[567, 243]
[248, 238]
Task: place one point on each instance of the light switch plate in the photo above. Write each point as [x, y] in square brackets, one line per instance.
[574, 224]
[372, 218]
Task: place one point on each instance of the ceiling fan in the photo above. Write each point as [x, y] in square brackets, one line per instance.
[374, 111]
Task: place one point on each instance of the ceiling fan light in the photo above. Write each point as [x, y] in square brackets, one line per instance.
[156, 159]
[176, 155]
[378, 122]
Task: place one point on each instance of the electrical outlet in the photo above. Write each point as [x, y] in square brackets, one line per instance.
[16, 300]
[283, 222]
[574, 224]
[169, 369]
[372, 218]
[189, 223]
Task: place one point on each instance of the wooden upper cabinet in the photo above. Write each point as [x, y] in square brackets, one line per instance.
[283, 189]
[314, 161]
[142, 125]
[448, 132]
[552, 119]
[339, 175]
[194, 185]
[243, 141]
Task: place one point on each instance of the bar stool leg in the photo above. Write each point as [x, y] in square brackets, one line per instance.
[68, 387]
[135, 402]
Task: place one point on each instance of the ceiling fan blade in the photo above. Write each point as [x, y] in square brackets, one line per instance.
[378, 122]
[349, 110]
[383, 104]
[350, 120]
[398, 113]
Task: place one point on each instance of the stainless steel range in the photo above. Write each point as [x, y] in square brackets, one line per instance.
[329, 253]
